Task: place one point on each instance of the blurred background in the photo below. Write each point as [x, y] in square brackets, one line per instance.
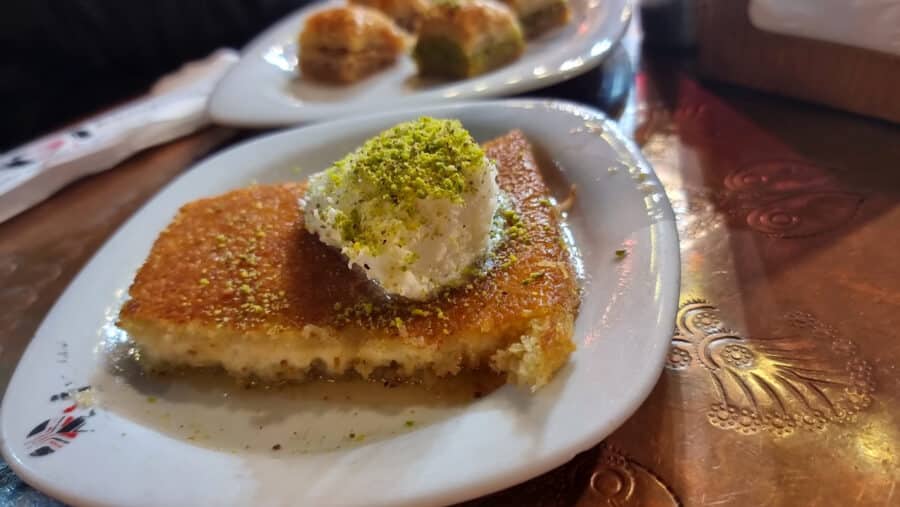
[64, 59]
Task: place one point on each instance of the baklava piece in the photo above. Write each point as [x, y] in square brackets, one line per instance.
[346, 44]
[539, 16]
[406, 13]
[460, 39]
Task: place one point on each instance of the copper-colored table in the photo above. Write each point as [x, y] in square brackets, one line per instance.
[782, 386]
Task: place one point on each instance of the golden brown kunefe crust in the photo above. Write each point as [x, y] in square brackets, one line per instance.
[467, 21]
[244, 261]
[351, 28]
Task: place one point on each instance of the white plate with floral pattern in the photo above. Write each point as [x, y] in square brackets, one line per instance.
[80, 426]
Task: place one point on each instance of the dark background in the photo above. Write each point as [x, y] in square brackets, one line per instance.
[62, 59]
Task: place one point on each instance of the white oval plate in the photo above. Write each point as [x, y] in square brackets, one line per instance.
[263, 88]
[128, 454]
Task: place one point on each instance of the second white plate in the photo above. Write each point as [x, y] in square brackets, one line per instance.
[264, 90]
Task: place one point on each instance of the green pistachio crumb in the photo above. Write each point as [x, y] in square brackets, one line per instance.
[515, 229]
[426, 158]
[533, 277]
[621, 253]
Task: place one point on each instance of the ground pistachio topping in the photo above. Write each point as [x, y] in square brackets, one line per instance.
[423, 159]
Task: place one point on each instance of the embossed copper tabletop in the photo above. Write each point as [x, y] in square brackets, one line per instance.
[782, 386]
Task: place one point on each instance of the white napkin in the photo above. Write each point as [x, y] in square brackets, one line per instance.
[175, 106]
[868, 24]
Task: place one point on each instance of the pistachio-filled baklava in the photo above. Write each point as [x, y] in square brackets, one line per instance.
[406, 13]
[345, 44]
[539, 16]
[464, 38]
